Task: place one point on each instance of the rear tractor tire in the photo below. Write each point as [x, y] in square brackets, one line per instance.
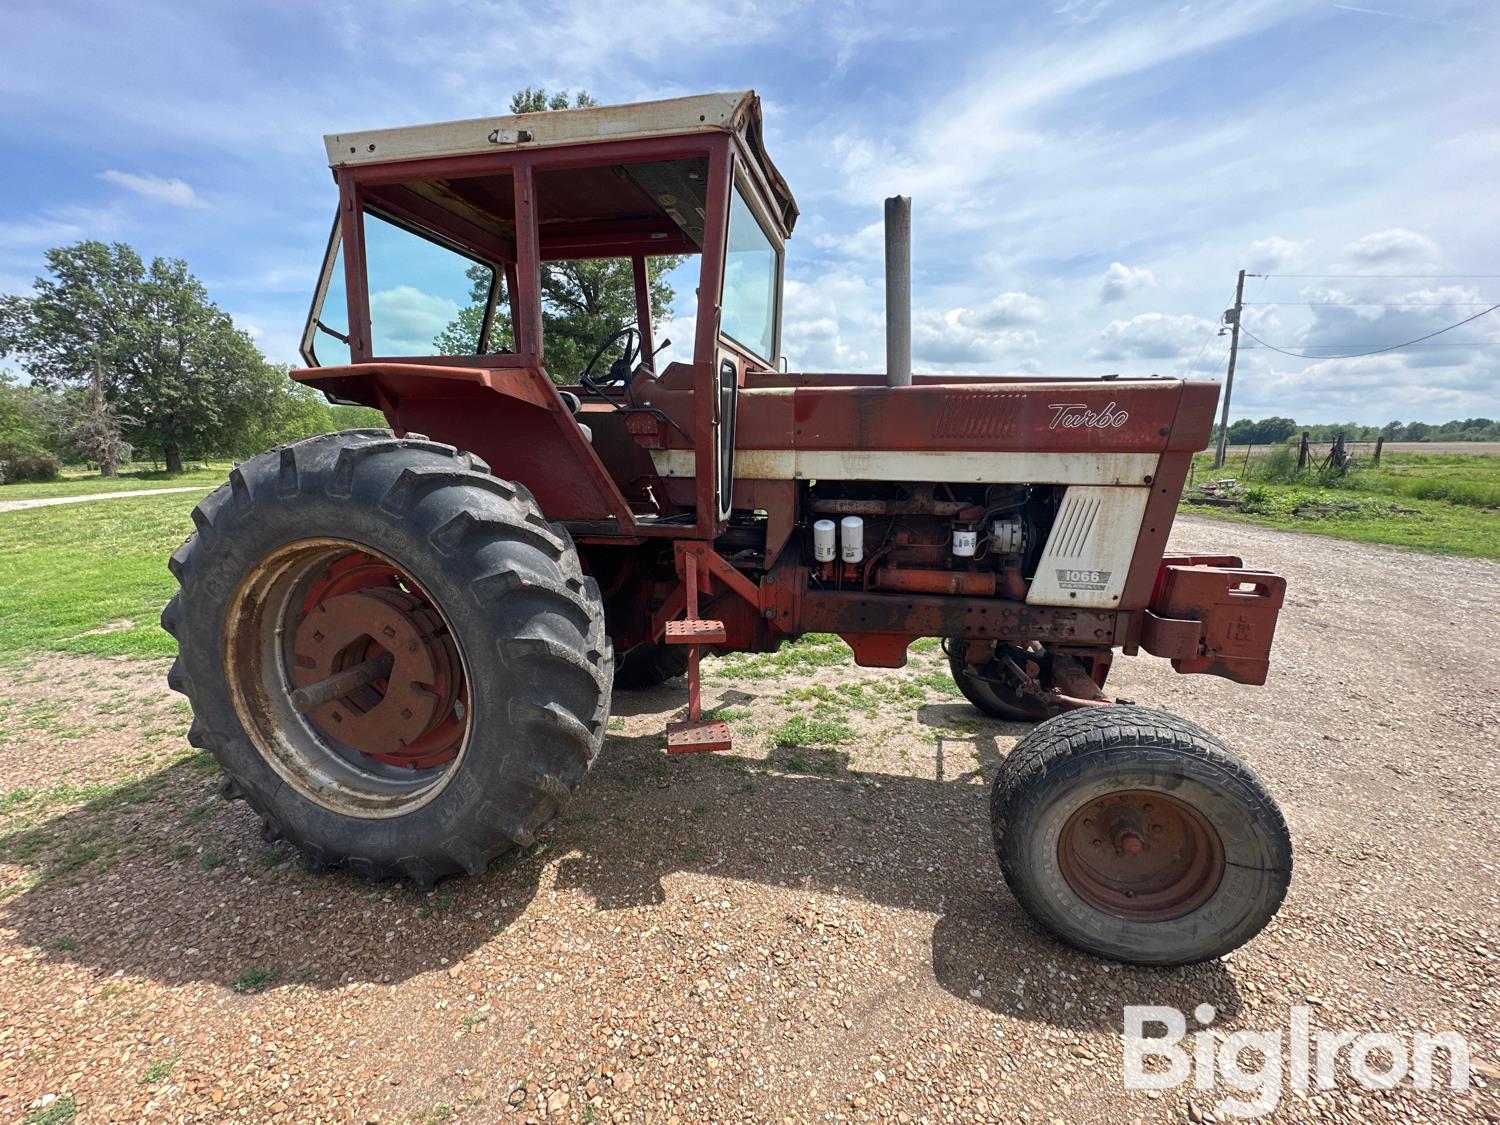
[1135, 835]
[646, 666]
[396, 660]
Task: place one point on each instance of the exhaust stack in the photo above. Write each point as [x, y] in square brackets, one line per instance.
[898, 291]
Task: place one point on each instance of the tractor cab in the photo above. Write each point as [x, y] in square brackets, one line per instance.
[434, 295]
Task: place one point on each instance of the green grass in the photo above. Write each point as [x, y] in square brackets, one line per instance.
[728, 714]
[80, 484]
[803, 656]
[256, 979]
[1438, 503]
[158, 1071]
[817, 730]
[60, 1112]
[439, 905]
[70, 569]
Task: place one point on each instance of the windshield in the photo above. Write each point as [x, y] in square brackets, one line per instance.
[751, 278]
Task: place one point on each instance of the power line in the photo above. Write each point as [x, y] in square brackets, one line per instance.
[1377, 304]
[1351, 344]
[1207, 340]
[1376, 351]
[1408, 276]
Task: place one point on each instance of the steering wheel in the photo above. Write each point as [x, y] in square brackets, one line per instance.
[620, 370]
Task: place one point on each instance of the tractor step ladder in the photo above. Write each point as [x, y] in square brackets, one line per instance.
[696, 733]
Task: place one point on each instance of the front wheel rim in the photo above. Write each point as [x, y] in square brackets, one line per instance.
[1141, 855]
[320, 608]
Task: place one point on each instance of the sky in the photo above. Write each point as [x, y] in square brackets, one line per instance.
[1086, 176]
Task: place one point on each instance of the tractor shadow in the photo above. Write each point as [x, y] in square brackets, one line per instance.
[160, 878]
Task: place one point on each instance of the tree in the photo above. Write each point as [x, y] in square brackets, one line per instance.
[1274, 431]
[1242, 432]
[584, 301]
[271, 409]
[24, 421]
[170, 361]
[88, 424]
[538, 100]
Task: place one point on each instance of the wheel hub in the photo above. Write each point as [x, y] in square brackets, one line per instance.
[1141, 855]
[387, 716]
[360, 609]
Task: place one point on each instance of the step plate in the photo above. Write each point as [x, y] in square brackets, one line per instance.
[689, 737]
[696, 631]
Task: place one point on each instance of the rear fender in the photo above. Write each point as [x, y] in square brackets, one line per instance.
[513, 417]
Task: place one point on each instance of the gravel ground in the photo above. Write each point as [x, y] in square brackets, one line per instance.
[768, 934]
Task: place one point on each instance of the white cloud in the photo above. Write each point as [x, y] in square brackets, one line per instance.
[834, 323]
[1004, 311]
[172, 191]
[404, 320]
[1395, 245]
[963, 336]
[1152, 336]
[1346, 389]
[1121, 280]
[1274, 253]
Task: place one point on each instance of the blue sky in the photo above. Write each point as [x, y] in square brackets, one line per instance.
[1086, 175]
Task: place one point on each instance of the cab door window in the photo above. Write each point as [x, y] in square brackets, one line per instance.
[752, 282]
[424, 296]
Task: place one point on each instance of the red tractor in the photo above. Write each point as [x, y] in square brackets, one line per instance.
[401, 649]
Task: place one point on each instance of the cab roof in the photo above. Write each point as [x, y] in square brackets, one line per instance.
[737, 113]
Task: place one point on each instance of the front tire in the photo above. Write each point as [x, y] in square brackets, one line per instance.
[343, 550]
[1136, 835]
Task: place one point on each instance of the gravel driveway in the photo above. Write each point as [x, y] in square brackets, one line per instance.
[766, 934]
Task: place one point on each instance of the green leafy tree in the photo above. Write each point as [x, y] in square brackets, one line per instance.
[271, 409]
[25, 429]
[345, 417]
[584, 301]
[538, 100]
[167, 358]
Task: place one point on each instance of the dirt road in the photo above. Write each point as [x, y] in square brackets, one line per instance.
[49, 501]
[773, 933]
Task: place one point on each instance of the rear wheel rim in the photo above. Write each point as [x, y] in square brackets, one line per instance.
[319, 607]
[1141, 855]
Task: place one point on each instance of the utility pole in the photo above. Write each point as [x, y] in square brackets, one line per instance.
[1233, 316]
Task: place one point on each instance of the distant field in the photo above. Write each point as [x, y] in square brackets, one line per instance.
[1473, 448]
[1432, 501]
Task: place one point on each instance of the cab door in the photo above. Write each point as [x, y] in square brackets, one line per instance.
[749, 318]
